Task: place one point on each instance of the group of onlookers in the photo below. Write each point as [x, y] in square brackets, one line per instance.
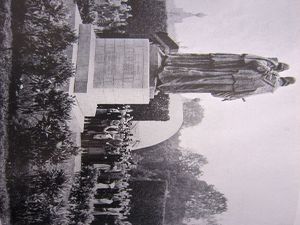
[107, 140]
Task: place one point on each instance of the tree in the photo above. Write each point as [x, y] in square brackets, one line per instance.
[46, 29]
[189, 196]
[148, 17]
[107, 16]
[193, 112]
[205, 202]
[192, 163]
[148, 202]
[86, 9]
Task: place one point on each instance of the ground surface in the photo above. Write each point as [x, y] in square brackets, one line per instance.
[5, 67]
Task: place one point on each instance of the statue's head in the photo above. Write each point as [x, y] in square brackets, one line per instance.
[285, 81]
[282, 66]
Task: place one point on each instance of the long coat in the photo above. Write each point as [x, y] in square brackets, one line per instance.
[232, 78]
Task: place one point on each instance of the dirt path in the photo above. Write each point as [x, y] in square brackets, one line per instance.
[5, 69]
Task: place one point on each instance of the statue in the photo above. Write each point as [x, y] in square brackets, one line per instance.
[230, 76]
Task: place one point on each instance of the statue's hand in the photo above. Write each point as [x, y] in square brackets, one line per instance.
[231, 99]
[227, 96]
[263, 68]
[227, 99]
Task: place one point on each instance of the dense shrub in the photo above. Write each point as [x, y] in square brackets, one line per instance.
[87, 10]
[148, 202]
[157, 109]
[138, 17]
[41, 68]
[82, 194]
[40, 199]
[148, 17]
[48, 141]
[107, 16]
[40, 134]
[45, 29]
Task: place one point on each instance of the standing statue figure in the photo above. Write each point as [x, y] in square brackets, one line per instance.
[230, 76]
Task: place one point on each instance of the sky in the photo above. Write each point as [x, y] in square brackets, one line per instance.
[253, 147]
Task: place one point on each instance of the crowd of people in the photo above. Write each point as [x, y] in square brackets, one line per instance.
[107, 141]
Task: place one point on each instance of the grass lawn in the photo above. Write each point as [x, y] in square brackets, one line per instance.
[5, 68]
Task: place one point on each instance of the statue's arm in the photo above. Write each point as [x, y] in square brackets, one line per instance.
[259, 67]
[271, 62]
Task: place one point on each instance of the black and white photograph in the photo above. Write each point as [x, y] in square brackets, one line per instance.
[149, 112]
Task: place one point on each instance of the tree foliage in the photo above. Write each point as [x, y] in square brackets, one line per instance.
[148, 197]
[189, 197]
[192, 163]
[40, 135]
[80, 200]
[41, 68]
[148, 17]
[193, 113]
[46, 30]
[48, 141]
[40, 199]
[157, 109]
[205, 201]
[87, 10]
[107, 16]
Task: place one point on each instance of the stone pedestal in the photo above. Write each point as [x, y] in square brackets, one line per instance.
[110, 71]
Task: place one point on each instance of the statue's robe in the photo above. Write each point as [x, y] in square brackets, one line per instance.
[231, 78]
[221, 61]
